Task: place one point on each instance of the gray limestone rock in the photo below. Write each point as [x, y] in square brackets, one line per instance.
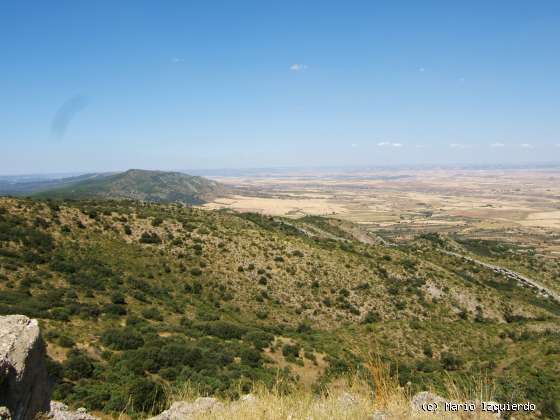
[184, 410]
[24, 386]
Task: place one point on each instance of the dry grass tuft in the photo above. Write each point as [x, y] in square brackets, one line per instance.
[356, 399]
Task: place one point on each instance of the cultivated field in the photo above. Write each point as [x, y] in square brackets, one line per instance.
[530, 198]
[522, 206]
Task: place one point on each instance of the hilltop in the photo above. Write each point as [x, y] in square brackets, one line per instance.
[137, 184]
[137, 299]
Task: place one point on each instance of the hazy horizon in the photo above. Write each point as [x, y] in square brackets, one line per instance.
[247, 171]
[106, 87]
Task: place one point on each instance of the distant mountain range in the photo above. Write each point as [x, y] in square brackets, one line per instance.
[31, 184]
[156, 186]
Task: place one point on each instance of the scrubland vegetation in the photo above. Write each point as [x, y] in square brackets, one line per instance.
[138, 300]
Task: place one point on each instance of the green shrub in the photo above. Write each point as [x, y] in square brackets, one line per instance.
[175, 354]
[150, 238]
[77, 366]
[60, 314]
[409, 264]
[251, 357]
[290, 350]
[371, 317]
[428, 352]
[152, 313]
[122, 339]
[428, 365]
[450, 361]
[260, 339]
[65, 341]
[112, 309]
[222, 329]
[118, 299]
[196, 271]
[169, 374]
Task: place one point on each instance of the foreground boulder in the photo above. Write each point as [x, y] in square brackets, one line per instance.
[60, 411]
[184, 410]
[24, 386]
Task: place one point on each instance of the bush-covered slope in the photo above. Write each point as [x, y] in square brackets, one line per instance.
[24, 186]
[157, 186]
[137, 298]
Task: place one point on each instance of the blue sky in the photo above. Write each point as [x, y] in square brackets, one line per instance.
[98, 86]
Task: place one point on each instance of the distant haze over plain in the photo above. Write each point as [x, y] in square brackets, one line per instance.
[354, 170]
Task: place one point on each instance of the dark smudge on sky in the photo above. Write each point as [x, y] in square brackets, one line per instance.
[66, 113]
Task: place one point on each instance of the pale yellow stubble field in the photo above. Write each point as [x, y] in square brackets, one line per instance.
[490, 198]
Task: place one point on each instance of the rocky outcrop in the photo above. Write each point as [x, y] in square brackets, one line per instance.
[379, 415]
[185, 410]
[512, 275]
[60, 411]
[24, 386]
[5, 414]
[347, 400]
